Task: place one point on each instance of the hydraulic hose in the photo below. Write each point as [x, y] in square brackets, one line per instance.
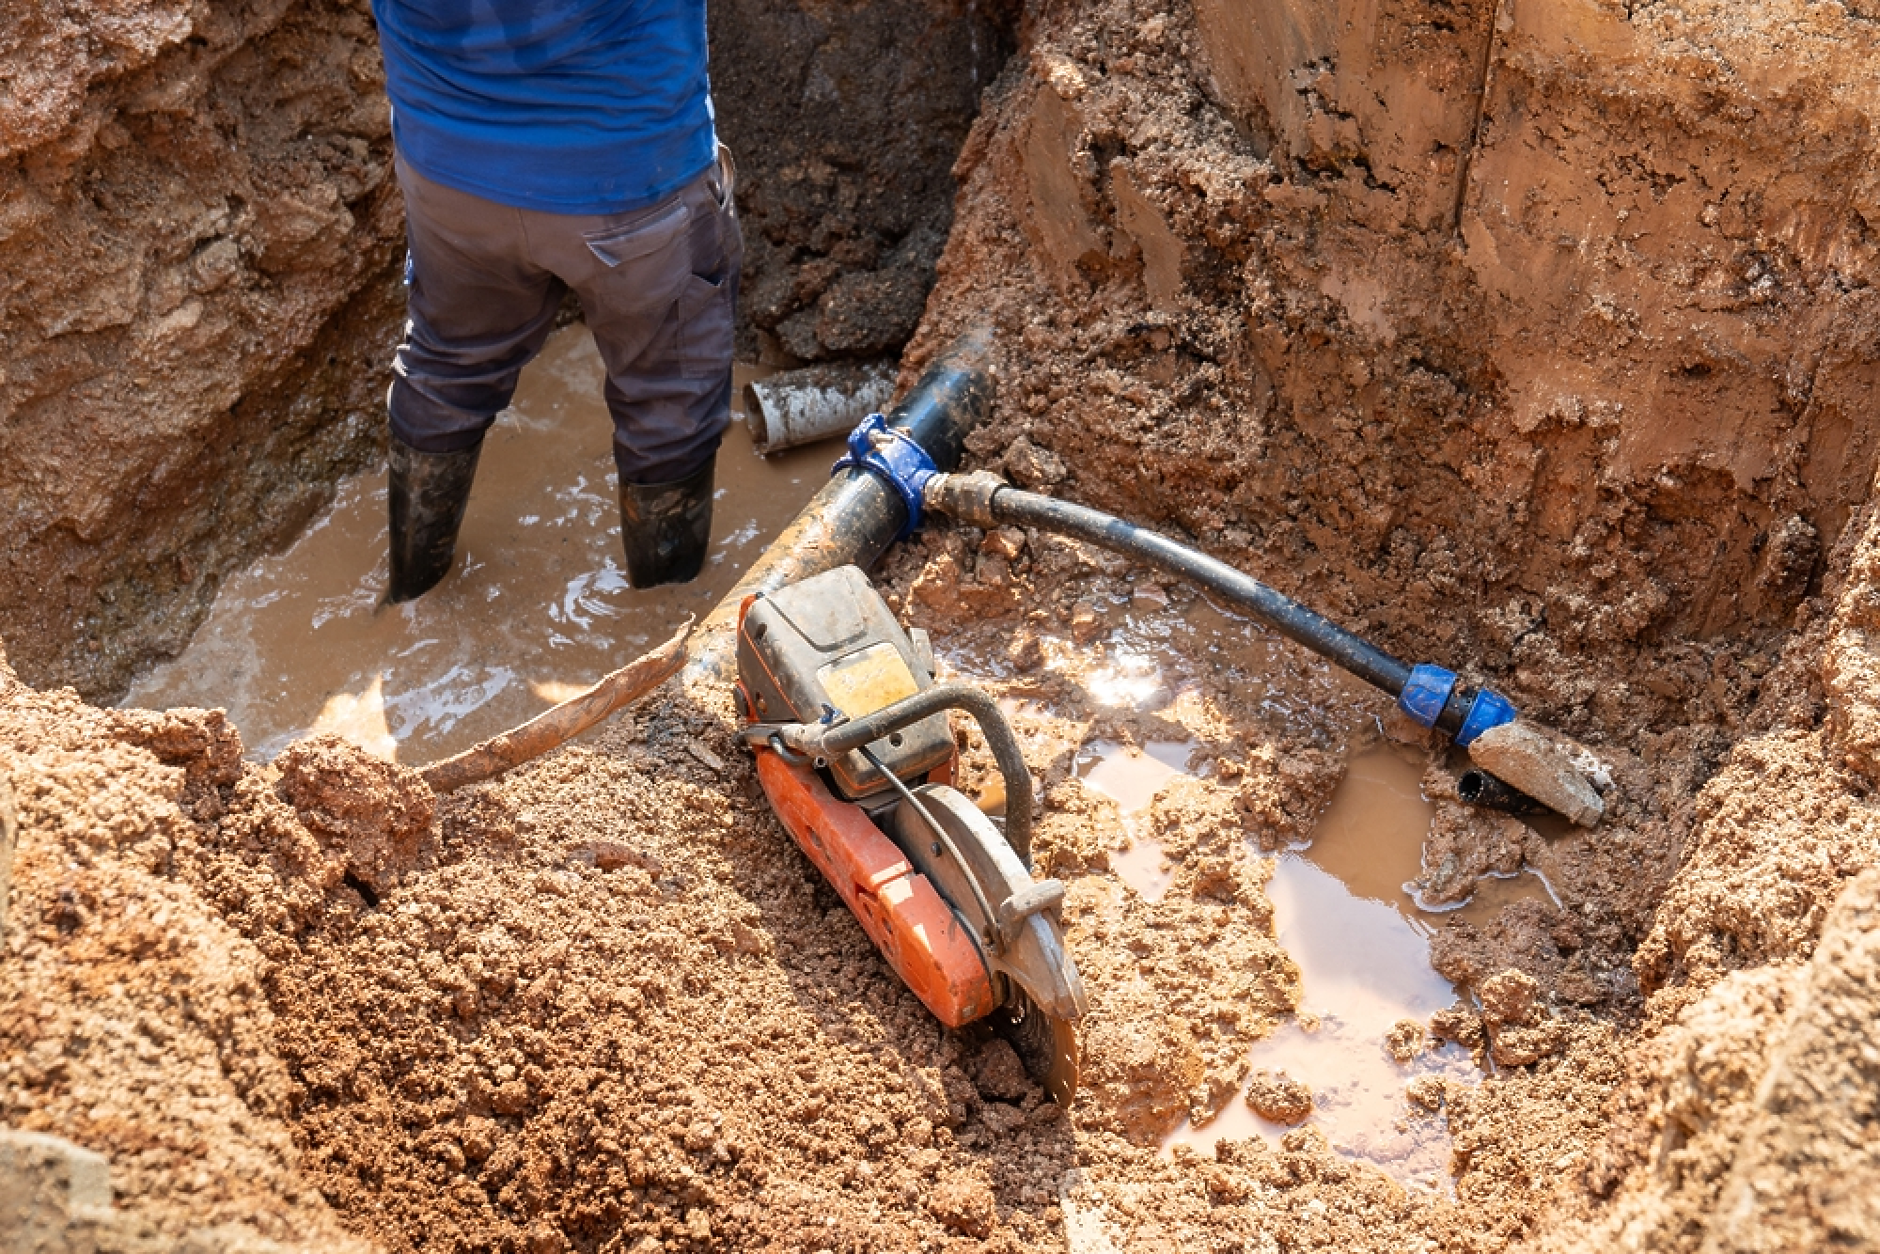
[1427, 693]
[1275, 610]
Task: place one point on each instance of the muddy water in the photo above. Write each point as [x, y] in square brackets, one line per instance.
[1131, 777]
[536, 608]
[1341, 908]
[1361, 943]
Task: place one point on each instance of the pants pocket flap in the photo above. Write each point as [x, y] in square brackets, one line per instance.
[617, 245]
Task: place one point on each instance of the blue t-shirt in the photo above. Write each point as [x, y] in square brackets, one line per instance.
[569, 106]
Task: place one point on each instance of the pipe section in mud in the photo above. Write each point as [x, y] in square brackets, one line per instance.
[857, 514]
[815, 403]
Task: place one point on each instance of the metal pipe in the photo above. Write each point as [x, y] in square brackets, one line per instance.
[856, 515]
[814, 403]
[1479, 788]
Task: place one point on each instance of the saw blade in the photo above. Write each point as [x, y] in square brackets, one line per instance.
[1048, 1046]
[1044, 996]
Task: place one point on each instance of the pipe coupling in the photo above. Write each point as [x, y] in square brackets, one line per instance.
[895, 458]
[967, 498]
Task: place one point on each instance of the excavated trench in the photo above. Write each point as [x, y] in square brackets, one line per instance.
[1536, 340]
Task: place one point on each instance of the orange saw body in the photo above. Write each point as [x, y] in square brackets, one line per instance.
[856, 754]
[912, 926]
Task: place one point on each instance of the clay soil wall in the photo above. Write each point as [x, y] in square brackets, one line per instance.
[199, 233]
[1542, 335]
[200, 238]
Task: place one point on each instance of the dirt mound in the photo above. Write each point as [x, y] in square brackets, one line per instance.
[133, 1019]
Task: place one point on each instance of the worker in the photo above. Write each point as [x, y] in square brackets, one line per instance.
[545, 146]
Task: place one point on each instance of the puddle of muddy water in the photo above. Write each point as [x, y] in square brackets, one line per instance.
[1131, 778]
[1361, 942]
[536, 608]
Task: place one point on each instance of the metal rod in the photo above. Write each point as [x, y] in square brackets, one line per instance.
[1001, 740]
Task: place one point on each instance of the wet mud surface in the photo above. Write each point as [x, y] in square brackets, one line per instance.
[605, 999]
[536, 609]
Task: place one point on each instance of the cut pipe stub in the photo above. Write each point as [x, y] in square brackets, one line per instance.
[815, 403]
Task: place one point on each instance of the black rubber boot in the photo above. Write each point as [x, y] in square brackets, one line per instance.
[429, 492]
[667, 528]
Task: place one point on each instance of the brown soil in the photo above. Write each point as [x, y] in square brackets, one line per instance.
[1535, 339]
[200, 233]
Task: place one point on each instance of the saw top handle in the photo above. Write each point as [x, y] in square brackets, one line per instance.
[823, 741]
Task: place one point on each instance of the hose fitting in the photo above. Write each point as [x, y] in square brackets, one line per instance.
[965, 497]
[1426, 692]
[1489, 709]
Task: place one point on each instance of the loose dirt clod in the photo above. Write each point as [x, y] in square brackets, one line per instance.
[368, 812]
[964, 1201]
[1279, 1097]
[1405, 1040]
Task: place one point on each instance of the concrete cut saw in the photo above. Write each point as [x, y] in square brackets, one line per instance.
[857, 757]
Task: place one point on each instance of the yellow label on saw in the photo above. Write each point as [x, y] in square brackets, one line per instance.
[861, 683]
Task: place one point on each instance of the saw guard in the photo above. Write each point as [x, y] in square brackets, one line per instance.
[910, 923]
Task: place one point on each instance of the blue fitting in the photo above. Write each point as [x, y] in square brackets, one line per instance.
[893, 457]
[1489, 709]
[1425, 693]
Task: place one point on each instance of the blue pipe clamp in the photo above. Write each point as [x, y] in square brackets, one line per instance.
[1427, 691]
[893, 457]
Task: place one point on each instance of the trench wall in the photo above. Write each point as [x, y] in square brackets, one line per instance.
[200, 238]
[1537, 339]
[198, 230]
[1548, 327]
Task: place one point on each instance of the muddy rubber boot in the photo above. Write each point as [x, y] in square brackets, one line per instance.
[428, 495]
[666, 528]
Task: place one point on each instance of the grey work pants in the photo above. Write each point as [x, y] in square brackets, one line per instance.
[657, 285]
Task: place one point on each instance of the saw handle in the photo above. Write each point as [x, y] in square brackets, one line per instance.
[827, 740]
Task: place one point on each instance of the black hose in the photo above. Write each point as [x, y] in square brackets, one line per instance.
[1281, 613]
[1000, 739]
[1479, 788]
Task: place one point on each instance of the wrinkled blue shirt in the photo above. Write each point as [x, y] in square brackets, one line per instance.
[568, 106]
